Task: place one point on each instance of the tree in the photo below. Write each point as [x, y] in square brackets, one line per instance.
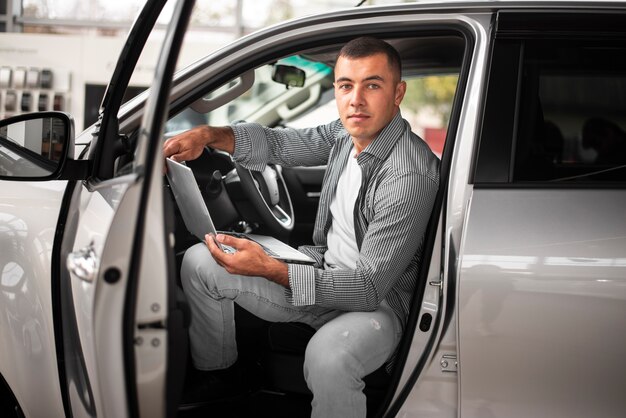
[434, 92]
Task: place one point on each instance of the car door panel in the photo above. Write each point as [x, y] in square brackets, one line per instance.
[108, 226]
[120, 235]
[152, 310]
[543, 291]
[542, 288]
[95, 210]
[88, 225]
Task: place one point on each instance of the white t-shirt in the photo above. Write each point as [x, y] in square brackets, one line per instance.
[343, 251]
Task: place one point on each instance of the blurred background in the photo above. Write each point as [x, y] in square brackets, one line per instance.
[60, 54]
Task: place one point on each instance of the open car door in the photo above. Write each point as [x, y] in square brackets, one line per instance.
[115, 315]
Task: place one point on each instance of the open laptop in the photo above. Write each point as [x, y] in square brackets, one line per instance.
[198, 220]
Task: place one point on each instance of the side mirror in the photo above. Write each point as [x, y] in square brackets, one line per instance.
[288, 75]
[36, 146]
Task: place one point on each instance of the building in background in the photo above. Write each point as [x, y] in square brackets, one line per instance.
[59, 54]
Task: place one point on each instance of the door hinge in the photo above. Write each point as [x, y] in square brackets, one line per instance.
[448, 363]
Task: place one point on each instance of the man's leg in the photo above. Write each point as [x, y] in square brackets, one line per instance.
[341, 353]
[211, 292]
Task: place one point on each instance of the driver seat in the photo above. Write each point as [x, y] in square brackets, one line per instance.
[279, 349]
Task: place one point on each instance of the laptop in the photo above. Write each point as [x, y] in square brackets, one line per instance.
[198, 220]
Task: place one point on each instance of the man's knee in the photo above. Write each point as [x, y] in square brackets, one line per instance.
[199, 269]
[328, 356]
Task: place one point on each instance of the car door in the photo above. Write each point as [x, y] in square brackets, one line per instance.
[542, 271]
[57, 345]
[114, 293]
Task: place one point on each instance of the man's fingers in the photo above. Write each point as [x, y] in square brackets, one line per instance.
[182, 147]
[170, 148]
[236, 243]
[220, 256]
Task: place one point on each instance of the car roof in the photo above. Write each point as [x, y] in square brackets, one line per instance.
[443, 50]
[498, 4]
[461, 6]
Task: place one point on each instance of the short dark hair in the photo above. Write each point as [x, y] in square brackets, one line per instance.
[366, 46]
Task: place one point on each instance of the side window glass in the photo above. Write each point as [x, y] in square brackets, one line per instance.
[571, 124]
[431, 67]
[427, 105]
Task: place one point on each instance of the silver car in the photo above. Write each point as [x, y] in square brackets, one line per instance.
[520, 309]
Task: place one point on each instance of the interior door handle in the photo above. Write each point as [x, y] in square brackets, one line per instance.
[83, 263]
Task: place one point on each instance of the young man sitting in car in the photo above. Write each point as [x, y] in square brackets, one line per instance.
[376, 199]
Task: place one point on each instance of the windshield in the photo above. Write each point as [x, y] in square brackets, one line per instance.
[267, 101]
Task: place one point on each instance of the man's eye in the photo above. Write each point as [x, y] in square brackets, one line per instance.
[373, 86]
[344, 86]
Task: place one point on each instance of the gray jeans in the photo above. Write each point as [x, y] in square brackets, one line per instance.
[346, 347]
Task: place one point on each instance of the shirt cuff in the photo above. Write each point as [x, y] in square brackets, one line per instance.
[250, 145]
[302, 284]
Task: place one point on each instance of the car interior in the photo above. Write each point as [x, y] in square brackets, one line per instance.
[290, 91]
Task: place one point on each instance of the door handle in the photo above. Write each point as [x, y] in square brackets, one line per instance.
[83, 263]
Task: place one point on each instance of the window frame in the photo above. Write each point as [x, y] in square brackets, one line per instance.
[494, 160]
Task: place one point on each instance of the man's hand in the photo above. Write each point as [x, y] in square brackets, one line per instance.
[248, 260]
[189, 144]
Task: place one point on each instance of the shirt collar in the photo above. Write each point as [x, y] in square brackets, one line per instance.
[382, 145]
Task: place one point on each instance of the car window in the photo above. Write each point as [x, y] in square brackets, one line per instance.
[427, 106]
[572, 112]
[267, 101]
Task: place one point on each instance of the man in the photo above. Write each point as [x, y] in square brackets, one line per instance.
[376, 199]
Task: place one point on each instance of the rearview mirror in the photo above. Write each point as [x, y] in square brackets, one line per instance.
[34, 146]
[288, 75]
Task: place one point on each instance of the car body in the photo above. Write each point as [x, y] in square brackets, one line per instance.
[521, 302]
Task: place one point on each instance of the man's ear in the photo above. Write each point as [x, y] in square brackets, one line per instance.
[400, 91]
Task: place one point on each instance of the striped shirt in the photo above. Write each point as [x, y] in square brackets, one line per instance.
[400, 177]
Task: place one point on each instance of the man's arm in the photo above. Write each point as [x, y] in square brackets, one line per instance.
[189, 144]
[256, 146]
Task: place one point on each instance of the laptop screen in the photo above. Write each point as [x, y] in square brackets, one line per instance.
[189, 199]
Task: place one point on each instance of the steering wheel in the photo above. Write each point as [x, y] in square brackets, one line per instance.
[268, 193]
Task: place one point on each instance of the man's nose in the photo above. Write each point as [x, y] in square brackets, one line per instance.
[357, 98]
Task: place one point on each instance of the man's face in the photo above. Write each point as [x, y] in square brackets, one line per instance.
[368, 95]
